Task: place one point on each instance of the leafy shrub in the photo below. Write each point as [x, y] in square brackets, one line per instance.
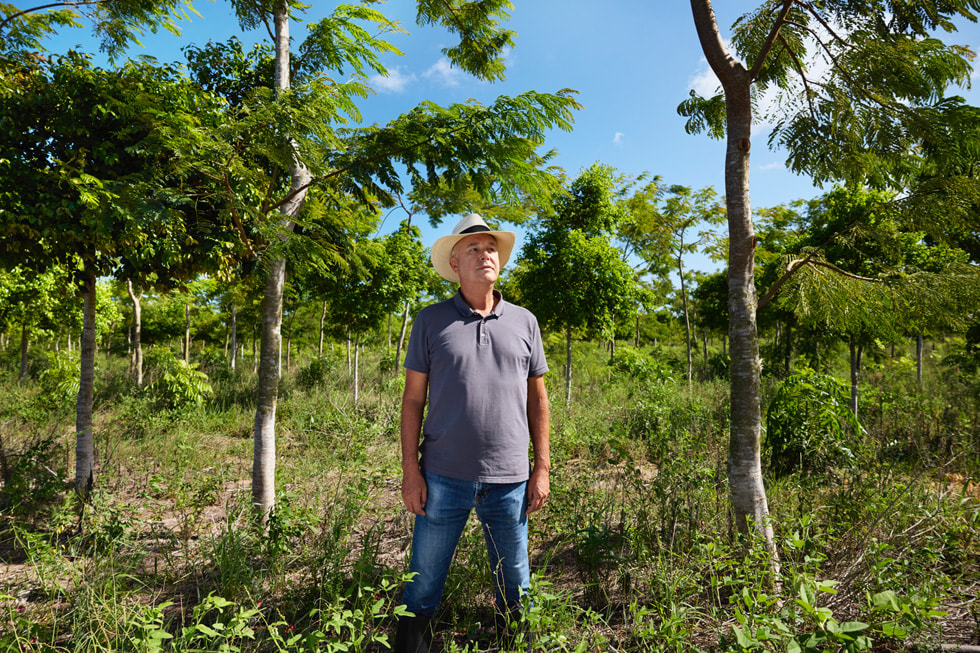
[314, 374]
[809, 424]
[175, 382]
[33, 479]
[60, 380]
[638, 366]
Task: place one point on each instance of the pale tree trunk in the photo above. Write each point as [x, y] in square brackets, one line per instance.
[137, 332]
[84, 439]
[255, 357]
[357, 352]
[349, 369]
[568, 366]
[687, 322]
[289, 339]
[25, 345]
[918, 359]
[856, 352]
[264, 462]
[323, 319]
[748, 492]
[401, 340]
[234, 336]
[187, 333]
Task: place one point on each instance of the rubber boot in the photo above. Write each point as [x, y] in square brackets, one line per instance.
[414, 635]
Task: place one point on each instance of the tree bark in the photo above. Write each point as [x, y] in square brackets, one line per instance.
[918, 359]
[234, 336]
[137, 332]
[855, 352]
[323, 319]
[568, 366]
[84, 439]
[357, 357]
[25, 338]
[748, 493]
[264, 455]
[263, 466]
[187, 333]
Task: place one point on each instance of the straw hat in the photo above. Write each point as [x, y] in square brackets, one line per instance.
[471, 224]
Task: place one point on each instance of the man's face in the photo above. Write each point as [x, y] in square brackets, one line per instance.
[475, 259]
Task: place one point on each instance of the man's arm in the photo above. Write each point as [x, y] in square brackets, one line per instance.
[539, 422]
[413, 404]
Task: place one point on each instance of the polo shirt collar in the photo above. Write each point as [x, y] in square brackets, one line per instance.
[465, 310]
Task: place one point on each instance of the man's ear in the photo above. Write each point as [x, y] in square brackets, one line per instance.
[454, 264]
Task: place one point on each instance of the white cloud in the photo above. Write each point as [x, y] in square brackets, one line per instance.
[776, 165]
[395, 82]
[443, 73]
[618, 138]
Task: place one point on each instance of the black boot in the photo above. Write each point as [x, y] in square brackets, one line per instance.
[414, 635]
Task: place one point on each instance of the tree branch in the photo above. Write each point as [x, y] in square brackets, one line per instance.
[770, 39]
[79, 3]
[799, 68]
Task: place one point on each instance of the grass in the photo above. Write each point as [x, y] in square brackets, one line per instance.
[635, 551]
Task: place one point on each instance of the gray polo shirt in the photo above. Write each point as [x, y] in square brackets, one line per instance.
[478, 367]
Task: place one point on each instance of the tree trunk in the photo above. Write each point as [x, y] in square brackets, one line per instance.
[918, 359]
[264, 460]
[687, 321]
[263, 466]
[323, 319]
[289, 339]
[568, 366]
[748, 493]
[137, 332]
[401, 340]
[234, 336]
[255, 357]
[855, 351]
[187, 333]
[84, 439]
[25, 338]
[357, 353]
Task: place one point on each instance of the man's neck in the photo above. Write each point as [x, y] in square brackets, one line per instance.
[480, 298]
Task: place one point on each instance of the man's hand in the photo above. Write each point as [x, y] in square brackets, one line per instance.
[538, 489]
[414, 491]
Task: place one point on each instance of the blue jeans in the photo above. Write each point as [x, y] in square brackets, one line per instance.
[500, 508]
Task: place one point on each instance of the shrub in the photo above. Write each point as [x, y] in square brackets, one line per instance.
[175, 382]
[60, 380]
[638, 366]
[809, 424]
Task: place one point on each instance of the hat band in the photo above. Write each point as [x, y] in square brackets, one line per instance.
[474, 229]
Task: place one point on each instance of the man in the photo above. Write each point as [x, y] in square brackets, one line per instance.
[480, 362]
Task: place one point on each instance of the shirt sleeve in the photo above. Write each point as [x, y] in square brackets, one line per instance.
[417, 351]
[538, 364]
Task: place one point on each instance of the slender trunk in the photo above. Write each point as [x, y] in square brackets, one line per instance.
[289, 339]
[68, 339]
[357, 351]
[918, 359]
[25, 337]
[84, 440]
[748, 492]
[234, 335]
[323, 319]
[187, 333]
[255, 357]
[349, 369]
[263, 467]
[636, 337]
[264, 460]
[388, 346]
[401, 340]
[568, 366]
[704, 346]
[137, 332]
[687, 321]
[855, 367]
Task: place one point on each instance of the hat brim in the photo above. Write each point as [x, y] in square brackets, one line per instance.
[443, 247]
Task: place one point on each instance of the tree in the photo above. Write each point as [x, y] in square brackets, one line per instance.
[666, 216]
[569, 274]
[295, 145]
[88, 186]
[881, 94]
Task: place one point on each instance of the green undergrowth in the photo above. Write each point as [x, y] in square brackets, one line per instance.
[636, 550]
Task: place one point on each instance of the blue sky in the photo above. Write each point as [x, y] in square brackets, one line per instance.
[631, 61]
